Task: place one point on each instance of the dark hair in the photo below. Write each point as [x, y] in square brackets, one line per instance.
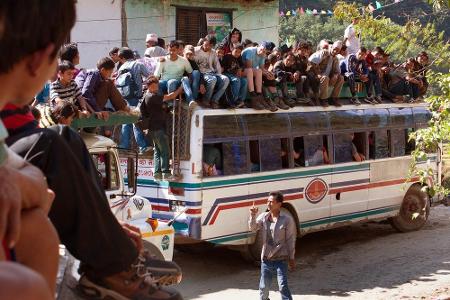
[126, 53]
[211, 39]
[19, 20]
[151, 80]
[63, 109]
[278, 196]
[363, 50]
[302, 45]
[68, 52]
[105, 63]
[174, 43]
[423, 53]
[343, 48]
[237, 46]
[272, 58]
[114, 50]
[161, 43]
[246, 42]
[65, 65]
[287, 54]
[181, 43]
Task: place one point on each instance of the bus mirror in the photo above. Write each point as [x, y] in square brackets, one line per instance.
[132, 175]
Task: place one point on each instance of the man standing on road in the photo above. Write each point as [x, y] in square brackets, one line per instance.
[278, 251]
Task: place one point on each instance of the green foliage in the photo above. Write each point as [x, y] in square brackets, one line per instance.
[311, 28]
[439, 4]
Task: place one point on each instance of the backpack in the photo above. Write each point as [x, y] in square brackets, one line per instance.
[126, 85]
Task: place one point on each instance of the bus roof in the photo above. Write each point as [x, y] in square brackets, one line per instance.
[115, 118]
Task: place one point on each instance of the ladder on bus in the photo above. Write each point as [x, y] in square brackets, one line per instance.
[180, 135]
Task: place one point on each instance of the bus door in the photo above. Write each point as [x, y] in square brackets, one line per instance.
[350, 176]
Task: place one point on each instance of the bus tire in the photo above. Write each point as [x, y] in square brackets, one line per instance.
[252, 252]
[153, 250]
[414, 211]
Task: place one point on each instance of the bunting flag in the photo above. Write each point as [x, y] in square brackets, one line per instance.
[378, 4]
[308, 11]
[330, 13]
[323, 12]
[294, 13]
[288, 13]
[314, 12]
[371, 8]
[302, 11]
[281, 14]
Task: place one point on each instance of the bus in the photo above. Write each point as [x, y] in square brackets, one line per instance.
[335, 166]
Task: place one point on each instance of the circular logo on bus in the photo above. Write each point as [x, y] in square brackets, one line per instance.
[316, 190]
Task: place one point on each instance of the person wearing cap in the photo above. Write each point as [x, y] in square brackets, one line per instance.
[325, 65]
[254, 59]
[209, 65]
[351, 37]
[198, 83]
[153, 50]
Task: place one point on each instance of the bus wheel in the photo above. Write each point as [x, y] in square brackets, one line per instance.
[153, 250]
[252, 252]
[413, 212]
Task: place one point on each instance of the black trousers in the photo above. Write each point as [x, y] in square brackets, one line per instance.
[80, 211]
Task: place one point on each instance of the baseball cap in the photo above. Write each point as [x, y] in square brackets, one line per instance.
[151, 37]
[268, 45]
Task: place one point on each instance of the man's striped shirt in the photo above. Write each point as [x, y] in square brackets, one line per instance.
[71, 92]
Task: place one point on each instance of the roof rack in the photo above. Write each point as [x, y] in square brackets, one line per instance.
[115, 118]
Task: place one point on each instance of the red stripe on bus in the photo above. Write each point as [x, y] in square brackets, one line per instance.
[249, 203]
[370, 185]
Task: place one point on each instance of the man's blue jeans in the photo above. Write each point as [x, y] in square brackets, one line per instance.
[268, 270]
[161, 151]
[195, 84]
[125, 139]
[171, 85]
[218, 82]
[239, 87]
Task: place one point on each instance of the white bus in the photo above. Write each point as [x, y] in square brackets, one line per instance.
[309, 154]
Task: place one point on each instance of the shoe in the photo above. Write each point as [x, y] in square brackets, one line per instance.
[336, 102]
[169, 177]
[214, 105]
[240, 104]
[324, 102]
[355, 101]
[279, 103]
[157, 176]
[126, 286]
[302, 101]
[411, 100]
[317, 102]
[163, 272]
[378, 99]
[272, 107]
[192, 105]
[142, 150]
[205, 104]
[290, 102]
[255, 103]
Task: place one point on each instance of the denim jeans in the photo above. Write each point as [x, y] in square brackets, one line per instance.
[171, 85]
[125, 139]
[195, 84]
[161, 151]
[374, 80]
[218, 82]
[268, 270]
[404, 87]
[239, 88]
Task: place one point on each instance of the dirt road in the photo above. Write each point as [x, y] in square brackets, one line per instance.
[367, 261]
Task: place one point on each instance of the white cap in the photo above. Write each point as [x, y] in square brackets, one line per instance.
[337, 45]
[151, 37]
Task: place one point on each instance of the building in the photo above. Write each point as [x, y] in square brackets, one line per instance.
[103, 24]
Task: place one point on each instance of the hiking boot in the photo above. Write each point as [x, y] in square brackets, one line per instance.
[355, 101]
[336, 102]
[205, 104]
[214, 105]
[240, 104]
[279, 103]
[272, 106]
[324, 102]
[126, 286]
[289, 102]
[255, 103]
[163, 272]
[157, 176]
[378, 99]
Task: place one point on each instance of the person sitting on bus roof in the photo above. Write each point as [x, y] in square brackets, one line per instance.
[211, 69]
[325, 65]
[357, 156]
[422, 64]
[171, 69]
[197, 80]
[285, 73]
[270, 92]
[212, 161]
[233, 69]
[233, 38]
[400, 81]
[354, 68]
[302, 52]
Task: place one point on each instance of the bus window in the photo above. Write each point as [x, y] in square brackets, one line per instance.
[410, 144]
[234, 158]
[316, 153]
[212, 159]
[285, 153]
[378, 144]
[255, 162]
[349, 147]
[299, 152]
[270, 151]
[398, 142]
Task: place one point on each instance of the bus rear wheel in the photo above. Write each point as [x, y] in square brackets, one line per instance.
[414, 211]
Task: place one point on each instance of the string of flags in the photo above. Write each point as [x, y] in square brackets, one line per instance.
[322, 12]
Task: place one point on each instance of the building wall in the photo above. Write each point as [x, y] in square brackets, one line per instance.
[97, 29]
[257, 20]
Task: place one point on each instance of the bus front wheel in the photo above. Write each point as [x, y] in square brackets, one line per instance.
[414, 211]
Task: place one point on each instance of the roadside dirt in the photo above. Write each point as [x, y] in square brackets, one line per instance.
[366, 261]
